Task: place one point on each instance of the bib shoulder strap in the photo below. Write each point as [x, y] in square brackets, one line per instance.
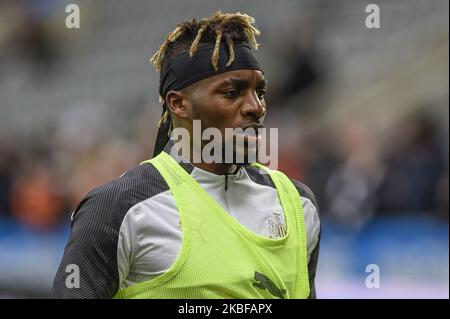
[287, 192]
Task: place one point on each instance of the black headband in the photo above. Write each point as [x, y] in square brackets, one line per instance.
[183, 70]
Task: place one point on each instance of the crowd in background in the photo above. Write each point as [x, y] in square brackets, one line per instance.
[356, 173]
[362, 117]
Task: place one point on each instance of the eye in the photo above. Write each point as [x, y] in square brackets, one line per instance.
[261, 93]
[231, 94]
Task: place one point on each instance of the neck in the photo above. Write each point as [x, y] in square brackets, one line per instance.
[217, 168]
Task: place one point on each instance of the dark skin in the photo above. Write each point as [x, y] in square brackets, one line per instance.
[228, 100]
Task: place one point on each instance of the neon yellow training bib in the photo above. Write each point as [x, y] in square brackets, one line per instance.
[221, 258]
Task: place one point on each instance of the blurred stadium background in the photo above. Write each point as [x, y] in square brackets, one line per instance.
[365, 109]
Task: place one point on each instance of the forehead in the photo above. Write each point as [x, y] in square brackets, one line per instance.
[252, 76]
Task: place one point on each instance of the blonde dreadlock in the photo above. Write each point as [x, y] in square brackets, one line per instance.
[231, 49]
[232, 26]
[196, 41]
[215, 56]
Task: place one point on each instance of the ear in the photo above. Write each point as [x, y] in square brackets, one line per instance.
[178, 104]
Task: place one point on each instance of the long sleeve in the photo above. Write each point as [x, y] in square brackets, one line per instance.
[91, 252]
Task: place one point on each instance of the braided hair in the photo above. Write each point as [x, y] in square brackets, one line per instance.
[189, 36]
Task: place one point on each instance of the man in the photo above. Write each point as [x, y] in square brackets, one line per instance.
[174, 228]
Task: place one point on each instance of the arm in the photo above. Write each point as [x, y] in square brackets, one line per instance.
[313, 232]
[92, 248]
[312, 267]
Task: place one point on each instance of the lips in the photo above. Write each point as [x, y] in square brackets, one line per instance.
[253, 133]
[254, 127]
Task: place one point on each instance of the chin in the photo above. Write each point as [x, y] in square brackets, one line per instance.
[243, 153]
[245, 156]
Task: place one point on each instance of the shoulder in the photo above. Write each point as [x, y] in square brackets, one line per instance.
[311, 216]
[94, 238]
[305, 192]
[264, 179]
[309, 203]
[111, 201]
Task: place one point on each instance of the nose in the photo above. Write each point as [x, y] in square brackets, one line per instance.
[252, 106]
